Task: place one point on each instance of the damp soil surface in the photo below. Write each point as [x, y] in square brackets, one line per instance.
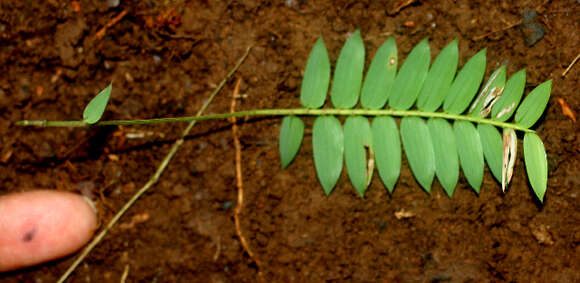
[165, 57]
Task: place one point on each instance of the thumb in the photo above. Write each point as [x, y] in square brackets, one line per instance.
[40, 226]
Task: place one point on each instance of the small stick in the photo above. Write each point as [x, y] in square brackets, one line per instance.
[496, 31]
[153, 179]
[125, 274]
[400, 5]
[239, 180]
[571, 64]
[111, 23]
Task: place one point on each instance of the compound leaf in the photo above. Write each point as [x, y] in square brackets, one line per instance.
[433, 147]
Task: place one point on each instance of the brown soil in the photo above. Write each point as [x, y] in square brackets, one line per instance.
[164, 60]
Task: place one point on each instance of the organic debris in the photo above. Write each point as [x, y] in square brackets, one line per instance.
[566, 110]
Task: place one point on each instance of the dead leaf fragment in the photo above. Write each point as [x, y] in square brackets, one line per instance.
[542, 235]
[409, 24]
[6, 156]
[566, 110]
[403, 214]
[136, 219]
[509, 157]
[76, 6]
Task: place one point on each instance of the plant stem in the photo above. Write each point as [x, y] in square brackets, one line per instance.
[283, 112]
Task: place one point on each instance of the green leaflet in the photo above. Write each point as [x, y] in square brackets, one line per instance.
[489, 94]
[438, 81]
[466, 84]
[291, 134]
[445, 150]
[387, 148]
[533, 105]
[328, 148]
[380, 76]
[348, 74]
[512, 94]
[411, 77]
[96, 107]
[492, 144]
[357, 139]
[419, 150]
[316, 77]
[470, 153]
[536, 164]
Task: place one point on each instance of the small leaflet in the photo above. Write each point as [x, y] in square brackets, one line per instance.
[536, 164]
[316, 77]
[96, 107]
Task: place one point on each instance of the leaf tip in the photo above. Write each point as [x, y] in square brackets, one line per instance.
[482, 52]
[326, 190]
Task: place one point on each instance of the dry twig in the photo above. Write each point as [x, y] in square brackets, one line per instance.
[111, 23]
[239, 180]
[125, 274]
[571, 64]
[479, 37]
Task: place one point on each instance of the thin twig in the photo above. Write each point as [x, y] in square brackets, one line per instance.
[111, 23]
[239, 180]
[400, 5]
[496, 31]
[125, 274]
[571, 64]
[154, 178]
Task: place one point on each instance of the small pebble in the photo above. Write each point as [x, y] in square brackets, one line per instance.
[227, 205]
[532, 31]
[113, 3]
[156, 59]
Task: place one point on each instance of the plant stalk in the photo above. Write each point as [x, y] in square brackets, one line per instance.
[281, 112]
